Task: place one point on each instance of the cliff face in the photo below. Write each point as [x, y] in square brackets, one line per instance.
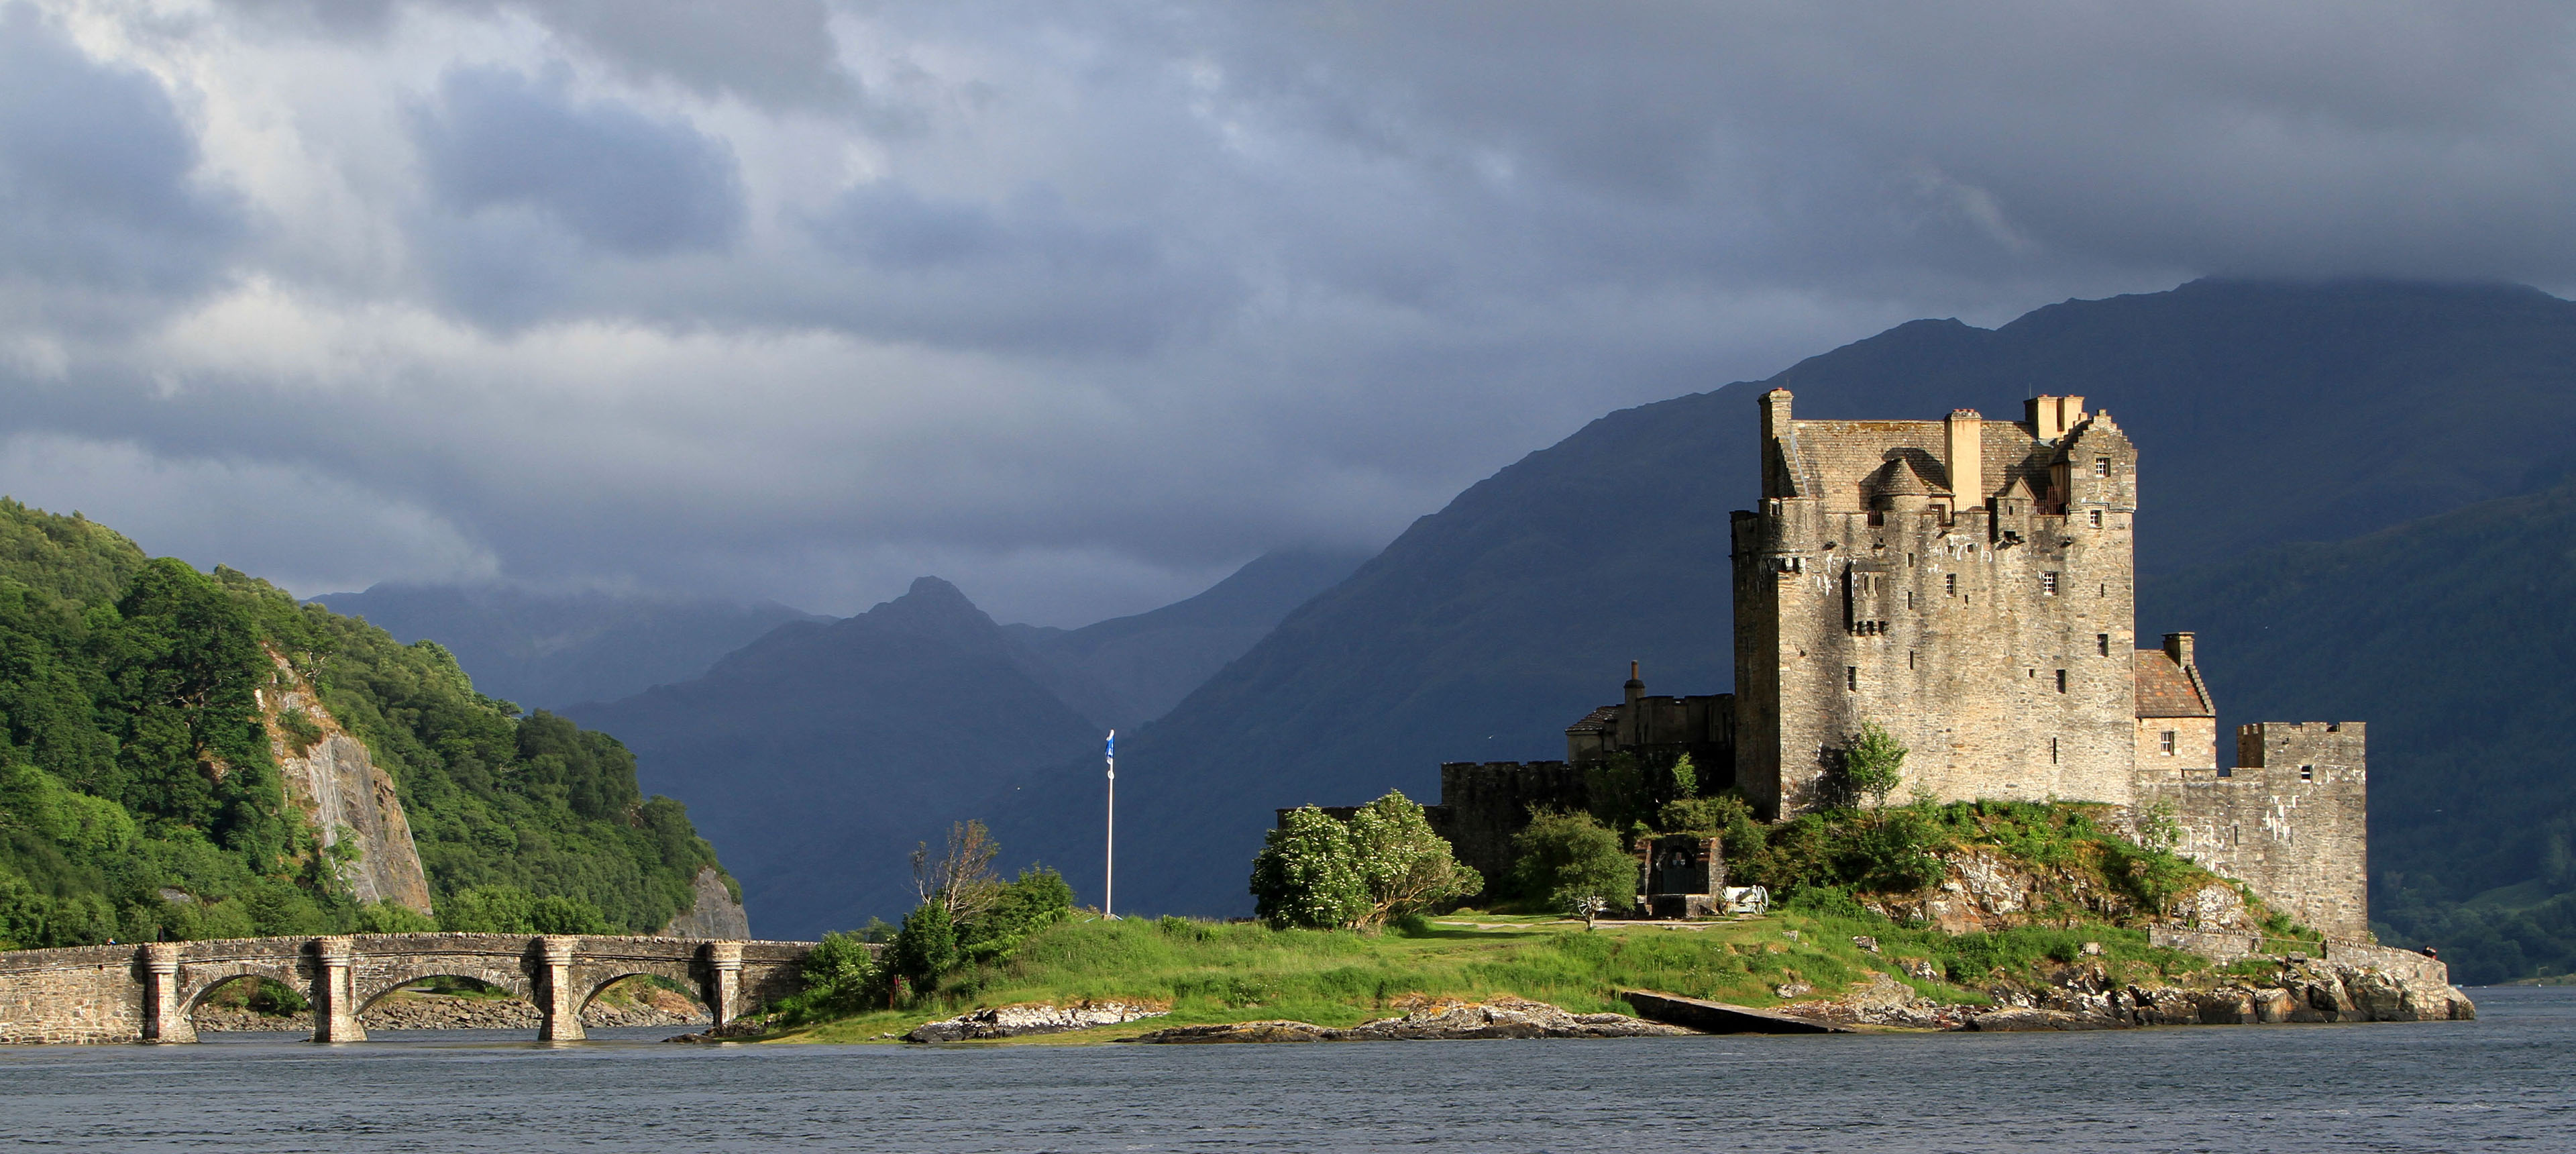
[716, 913]
[330, 776]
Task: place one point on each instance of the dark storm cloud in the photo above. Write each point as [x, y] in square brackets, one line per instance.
[96, 190]
[628, 183]
[1062, 300]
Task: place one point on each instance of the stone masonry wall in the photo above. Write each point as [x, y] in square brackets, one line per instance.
[79, 994]
[2290, 821]
[1995, 644]
[1488, 802]
[103, 993]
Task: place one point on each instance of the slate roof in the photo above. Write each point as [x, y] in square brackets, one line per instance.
[2165, 689]
[1605, 717]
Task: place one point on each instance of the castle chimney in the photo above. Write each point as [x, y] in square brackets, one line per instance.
[2051, 417]
[1964, 454]
[1775, 414]
[2178, 647]
[1632, 717]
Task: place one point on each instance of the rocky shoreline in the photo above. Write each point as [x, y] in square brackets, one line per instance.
[1445, 1019]
[1027, 1020]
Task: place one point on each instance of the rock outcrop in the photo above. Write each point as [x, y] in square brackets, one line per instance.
[335, 782]
[1985, 889]
[715, 914]
[1443, 1020]
[1023, 1021]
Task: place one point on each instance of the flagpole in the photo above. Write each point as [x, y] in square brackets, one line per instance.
[1109, 871]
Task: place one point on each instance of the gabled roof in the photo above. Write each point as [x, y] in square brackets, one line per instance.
[2166, 689]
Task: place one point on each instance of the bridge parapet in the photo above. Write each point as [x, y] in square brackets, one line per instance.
[147, 993]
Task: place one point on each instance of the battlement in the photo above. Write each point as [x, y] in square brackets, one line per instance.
[2291, 819]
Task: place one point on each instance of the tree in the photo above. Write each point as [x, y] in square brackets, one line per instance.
[961, 878]
[1307, 876]
[925, 948]
[1872, 765]
[1403, 865]
[1574, 862]
[1040, 898]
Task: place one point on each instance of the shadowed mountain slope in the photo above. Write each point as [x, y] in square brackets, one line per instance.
[822, 752]
[551, 650]
[2264, 413]
[2452, 637]
[1126, 671]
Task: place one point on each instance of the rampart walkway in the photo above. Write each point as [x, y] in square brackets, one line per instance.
[146, 993]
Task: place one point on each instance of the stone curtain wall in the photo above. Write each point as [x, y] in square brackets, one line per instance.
[1488, 802]
[2292, 821]
[146, 993]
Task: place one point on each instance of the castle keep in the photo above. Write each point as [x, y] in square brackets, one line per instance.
[1968, 585]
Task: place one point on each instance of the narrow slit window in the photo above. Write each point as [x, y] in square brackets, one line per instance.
[1909, 659]
[2048, 584]
[2061, 681]
[2052, 751]
[1909, 599]
[2103, 640]
[1851, 677]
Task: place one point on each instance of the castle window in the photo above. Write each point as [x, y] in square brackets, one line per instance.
[2165, 742]
[2061, 681]
[1909, 659]
[2048, 584]
[2096, 516]
[2307, 773]
[2103, 640]
[1909, 599]
[2101, 466]
[1950, 584]
[2052, 751]
[1851, 678]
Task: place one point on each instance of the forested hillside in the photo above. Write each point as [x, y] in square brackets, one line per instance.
[140, 791]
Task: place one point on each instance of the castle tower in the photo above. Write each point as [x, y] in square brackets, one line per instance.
[1966, 584]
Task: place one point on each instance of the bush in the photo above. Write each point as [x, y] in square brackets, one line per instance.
[1038, 899]
[1568, 858]
[841, 977]
[1306, 875]
[511, 910]
[388, 918]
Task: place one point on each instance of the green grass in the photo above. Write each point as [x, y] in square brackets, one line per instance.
[1234, 972]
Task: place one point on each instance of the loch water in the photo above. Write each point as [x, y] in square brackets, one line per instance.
[2500, 1083]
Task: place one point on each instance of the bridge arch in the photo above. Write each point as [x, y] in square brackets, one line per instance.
[148, 992]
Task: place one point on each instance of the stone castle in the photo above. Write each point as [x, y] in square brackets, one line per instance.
[1969, 585]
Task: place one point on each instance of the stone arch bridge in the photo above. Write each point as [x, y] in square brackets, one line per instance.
[146, 993]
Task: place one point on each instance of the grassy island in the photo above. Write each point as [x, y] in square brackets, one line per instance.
[1846, 875]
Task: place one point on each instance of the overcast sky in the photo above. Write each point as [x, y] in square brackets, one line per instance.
[1081, 305]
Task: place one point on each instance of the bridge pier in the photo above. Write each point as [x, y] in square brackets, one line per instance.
[558, 998]
[335, 995]
[165, 1014]
[724, 980]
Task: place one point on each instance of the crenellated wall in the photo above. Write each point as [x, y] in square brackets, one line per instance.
[2291, 820]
